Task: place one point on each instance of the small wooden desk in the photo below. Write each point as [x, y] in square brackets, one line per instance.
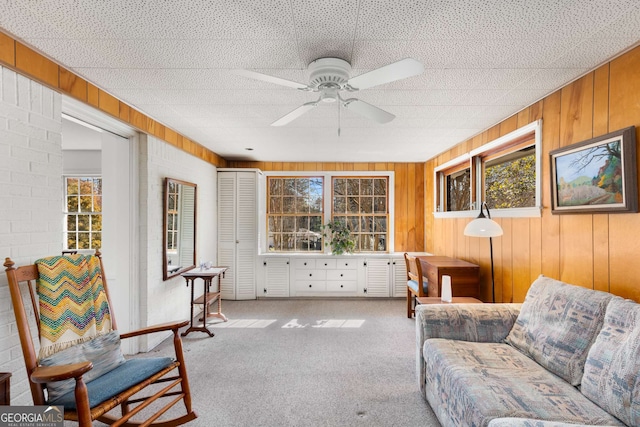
[465, 276]
[454, 300]
[206, 298]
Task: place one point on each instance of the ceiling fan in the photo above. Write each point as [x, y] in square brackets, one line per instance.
[330, 76]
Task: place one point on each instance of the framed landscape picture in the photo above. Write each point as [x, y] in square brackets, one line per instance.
[597, 175]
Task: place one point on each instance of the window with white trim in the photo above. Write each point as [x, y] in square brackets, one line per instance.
[296, 207]
[83, 212]
[504, 173]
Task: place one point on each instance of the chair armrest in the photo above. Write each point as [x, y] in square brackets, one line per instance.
[45, 374]
[170, 326]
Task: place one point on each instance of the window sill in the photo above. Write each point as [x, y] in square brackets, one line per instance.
[533, 212]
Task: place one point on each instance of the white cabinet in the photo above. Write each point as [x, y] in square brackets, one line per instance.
[332, 276]
[324, 277]
[238, 232]
[276, 278]
[377, 277]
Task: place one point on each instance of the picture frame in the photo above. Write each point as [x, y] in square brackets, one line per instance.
[598, 175]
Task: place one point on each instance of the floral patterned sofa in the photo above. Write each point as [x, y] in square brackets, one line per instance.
[567, 356]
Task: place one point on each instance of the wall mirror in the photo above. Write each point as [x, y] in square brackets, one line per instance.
[179, 227]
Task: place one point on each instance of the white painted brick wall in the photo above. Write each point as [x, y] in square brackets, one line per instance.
[30, 198]
[163, 301]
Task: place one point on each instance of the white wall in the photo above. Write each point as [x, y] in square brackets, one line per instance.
[31, 205]
[162, 301]
[30, 198]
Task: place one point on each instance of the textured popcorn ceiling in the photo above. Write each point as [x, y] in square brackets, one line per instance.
[485, 60]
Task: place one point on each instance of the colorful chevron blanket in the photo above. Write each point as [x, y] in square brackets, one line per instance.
[73, 303]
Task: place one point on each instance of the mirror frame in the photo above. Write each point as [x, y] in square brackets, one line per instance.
[165, 272]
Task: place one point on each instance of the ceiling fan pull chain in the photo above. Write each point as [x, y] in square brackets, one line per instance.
[338, 119]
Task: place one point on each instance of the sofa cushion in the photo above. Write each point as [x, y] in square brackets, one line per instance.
[472, 383]
[528, 422]
[557, 325]
[612, 371]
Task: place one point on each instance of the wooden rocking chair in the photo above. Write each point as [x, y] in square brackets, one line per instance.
[92, 400]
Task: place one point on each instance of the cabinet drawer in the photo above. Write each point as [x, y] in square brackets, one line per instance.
[342, 275]
[327, 264]
[342, 286]
[304, 263]
[310, 275]
[310, 286]
[346, 264]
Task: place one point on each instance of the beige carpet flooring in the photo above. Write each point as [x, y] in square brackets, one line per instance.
[307, 362]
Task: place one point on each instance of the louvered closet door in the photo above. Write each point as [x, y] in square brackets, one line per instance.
[227, 232]
[246, 235]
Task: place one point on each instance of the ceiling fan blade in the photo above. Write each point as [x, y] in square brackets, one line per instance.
[270, 79]
[402, 69]
[294, 114]
[369, 111]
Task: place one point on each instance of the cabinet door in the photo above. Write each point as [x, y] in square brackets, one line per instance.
[276, 277]
[398, 277]
[377, 277]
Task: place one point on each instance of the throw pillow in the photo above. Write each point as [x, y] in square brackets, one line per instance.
[557, 325]
[103, 351]
[611, 378]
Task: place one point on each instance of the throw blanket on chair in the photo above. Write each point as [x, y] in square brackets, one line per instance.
[73, 302]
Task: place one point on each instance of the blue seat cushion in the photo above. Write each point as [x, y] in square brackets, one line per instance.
[413, 284]
[125, 376]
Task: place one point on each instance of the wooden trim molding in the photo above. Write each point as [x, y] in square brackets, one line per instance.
[24, 60]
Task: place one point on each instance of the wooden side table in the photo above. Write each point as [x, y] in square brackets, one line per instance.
[5, 388]
[454, 300]
[207, 298]
[465, 276]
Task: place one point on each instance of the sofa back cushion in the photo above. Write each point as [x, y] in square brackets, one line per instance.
[557, 325]
[612, 370]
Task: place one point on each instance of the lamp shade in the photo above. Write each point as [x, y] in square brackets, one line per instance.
[483, 227]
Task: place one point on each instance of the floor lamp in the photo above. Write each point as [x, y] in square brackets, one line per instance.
[484, 226]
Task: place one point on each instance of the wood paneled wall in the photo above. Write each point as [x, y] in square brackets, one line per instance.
[595, 251]
[24, 60]
[409, 193]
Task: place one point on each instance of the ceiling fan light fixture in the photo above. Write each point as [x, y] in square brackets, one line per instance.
[329, 95]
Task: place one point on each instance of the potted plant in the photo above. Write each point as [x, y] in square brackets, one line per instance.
[337, 234]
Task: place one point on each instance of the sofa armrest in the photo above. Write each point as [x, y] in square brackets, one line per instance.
[465, 322]
[462, 322]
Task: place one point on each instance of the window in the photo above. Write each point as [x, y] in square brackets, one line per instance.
[173, 213]
[83, 213]
[362, 204]
[295, 213]
[510, 179]
[298, 204]
[504, 173]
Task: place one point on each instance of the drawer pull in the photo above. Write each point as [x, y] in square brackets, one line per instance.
[305, 263]
[325, 264]
[342, 286]
[341, 274]
[310, 285]
[310, 274]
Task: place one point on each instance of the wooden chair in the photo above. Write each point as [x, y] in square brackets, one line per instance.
[416, 283]
[94, 399]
